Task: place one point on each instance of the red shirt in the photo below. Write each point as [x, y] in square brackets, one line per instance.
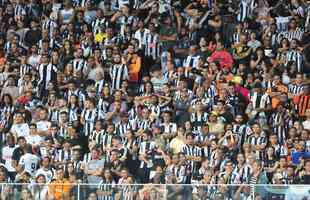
[225, 59]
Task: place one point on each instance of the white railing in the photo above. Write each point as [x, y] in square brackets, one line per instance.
[159, 191]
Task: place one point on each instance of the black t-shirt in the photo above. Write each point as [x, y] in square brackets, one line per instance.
[305, 179]
[17, 154]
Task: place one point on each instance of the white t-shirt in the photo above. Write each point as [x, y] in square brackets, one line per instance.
[34, 139]
[66, 15]
[30, 162]
[20, 129]
[34, 60]
[43, 125]
[47, 173]
[306, 124]
[7, 153]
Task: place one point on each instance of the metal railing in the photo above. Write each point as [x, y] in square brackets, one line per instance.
[10, 191]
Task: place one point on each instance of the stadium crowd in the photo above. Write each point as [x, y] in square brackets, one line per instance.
[112, 92]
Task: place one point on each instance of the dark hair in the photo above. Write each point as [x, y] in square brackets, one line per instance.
[40, 175]
[10, 99]
[33, 125]
[189, 135]
[21, 138]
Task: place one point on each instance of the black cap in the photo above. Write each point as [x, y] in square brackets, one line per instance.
[257, 85]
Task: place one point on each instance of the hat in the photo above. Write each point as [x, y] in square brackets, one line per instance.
[214, 113]
[237, 79]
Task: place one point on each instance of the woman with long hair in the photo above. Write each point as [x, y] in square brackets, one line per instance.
[69, 170]
[67, 51]
[6, 104]
[73, 108]
[39, 190]
[271, 162]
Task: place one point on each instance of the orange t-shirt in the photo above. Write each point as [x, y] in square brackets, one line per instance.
[60, 189]
[134, 68]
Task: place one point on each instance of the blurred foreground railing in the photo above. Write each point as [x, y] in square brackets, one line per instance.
[10, 191]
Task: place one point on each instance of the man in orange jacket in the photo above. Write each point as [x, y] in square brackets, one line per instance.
[59, 189]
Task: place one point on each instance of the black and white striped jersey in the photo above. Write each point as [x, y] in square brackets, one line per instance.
[79, 3]
[106, 140]
[296, 57]
[243, 131]
[169, 127]
[124, 21]
[122, 128]
[53, 115]
[307, 21]
[109, 187]
[143, 124]
[99, 23]
[282, 23]
[140, 35]
[79, 64]
[79, 93]
[244, 11]
[49, 25]
[179, 171]
[235, 38]
[52, 43]
[117, 4]
[90, 116]
[232, 178]
[258, 140]
[152, 46]
[47, 73]
[63, 131]
[25, 68]
[103, 105]
[290, 35]
[147, 148]
[97, 136]
[191, 150]
[19, 10]
[295, 89]
[63, 155]
[73, 113]
[280, 123]
[191, 61]
[211, 92]
[243, 172]
[260, 100]
[99, 85]
[118, 73]
[198, 120]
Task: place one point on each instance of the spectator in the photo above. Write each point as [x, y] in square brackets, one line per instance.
[152, 91]
[59, 187]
